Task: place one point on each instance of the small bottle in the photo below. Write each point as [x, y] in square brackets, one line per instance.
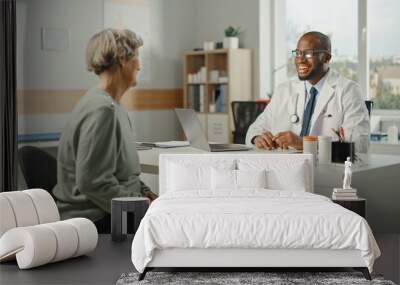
[310, 145]
[324, 149]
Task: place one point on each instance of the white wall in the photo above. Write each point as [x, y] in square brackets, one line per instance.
[55, 70]
[175, 27]
[266, 48]
[160, 125]
[67, 70]
[272, 55]
[213, 16]
[172, 35]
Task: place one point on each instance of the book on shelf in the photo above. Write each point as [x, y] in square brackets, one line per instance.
[220, 100]
[201, 98]
[211, 102]
[195, 97]
[217, 99]
[190, 97]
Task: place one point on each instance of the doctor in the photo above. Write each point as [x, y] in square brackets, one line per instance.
[317, 102]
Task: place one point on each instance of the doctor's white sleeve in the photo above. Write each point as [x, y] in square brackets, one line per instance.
[355, 113]
[261, 125]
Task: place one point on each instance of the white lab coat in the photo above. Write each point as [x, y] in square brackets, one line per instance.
[339, 104]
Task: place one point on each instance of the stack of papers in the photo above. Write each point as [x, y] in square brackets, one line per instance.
[167, 144]
[142, 147]
[344, 194]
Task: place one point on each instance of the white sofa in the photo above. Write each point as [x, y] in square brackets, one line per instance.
[31, 231]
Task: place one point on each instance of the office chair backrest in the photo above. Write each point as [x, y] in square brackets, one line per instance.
[38, 167]
[244, 114]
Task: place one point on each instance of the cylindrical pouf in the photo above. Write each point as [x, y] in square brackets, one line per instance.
[34, 246]
[45, 205]
[7, 218]
[23, 208]
[67, 240]
[87, 235]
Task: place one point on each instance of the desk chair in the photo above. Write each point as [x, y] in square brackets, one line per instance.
[244, 114]
[38, 168]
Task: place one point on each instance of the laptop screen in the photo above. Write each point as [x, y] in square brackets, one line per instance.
[192, 127]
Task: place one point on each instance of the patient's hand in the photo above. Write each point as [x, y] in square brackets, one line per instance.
[152, 196]
[265, 141]
[288, 139]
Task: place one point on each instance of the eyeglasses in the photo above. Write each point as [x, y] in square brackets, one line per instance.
[307, 54]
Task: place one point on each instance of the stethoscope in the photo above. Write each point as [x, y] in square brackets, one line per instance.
[294, 118]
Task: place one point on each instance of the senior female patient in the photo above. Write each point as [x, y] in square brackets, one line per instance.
[97, 157]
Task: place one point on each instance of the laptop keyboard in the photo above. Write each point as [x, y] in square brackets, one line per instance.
[220, 145]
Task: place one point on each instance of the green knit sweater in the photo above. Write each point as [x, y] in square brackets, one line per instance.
[97, 158]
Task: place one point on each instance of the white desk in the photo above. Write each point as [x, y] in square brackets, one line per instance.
[40, 144]
[378, 182]
[384, 148]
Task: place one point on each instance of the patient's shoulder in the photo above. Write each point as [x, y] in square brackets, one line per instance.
[95, 99]
[99, 97]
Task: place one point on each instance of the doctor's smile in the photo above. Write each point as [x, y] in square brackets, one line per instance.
[301, 69]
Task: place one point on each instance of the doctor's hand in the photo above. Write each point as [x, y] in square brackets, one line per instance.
[265, 141]
[288, 139]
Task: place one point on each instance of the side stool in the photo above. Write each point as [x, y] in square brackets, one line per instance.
[119, 208]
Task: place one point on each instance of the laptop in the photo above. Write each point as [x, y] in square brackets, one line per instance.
[196, 136]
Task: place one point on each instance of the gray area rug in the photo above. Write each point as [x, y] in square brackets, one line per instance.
[229, 278]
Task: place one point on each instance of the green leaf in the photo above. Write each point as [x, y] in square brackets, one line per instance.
[232, 32]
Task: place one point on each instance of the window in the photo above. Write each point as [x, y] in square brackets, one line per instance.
[333, 18]
[384, 50]
[365, 47]
[340, 19]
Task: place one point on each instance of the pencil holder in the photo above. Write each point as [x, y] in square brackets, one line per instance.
[341, 151]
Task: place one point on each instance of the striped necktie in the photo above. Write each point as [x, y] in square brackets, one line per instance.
[305, 129]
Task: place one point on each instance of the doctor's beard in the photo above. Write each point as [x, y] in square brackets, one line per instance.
[315, 72]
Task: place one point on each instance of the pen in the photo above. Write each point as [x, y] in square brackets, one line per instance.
[341, 134]
[336, 132]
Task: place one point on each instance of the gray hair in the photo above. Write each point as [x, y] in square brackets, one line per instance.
[108, 47]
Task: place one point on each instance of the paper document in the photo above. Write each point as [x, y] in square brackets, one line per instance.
[140, 146]
[167, 144]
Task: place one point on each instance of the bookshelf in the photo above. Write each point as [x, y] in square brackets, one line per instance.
[212, 80]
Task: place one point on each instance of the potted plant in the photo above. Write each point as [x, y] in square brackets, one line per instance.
[231, 39]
